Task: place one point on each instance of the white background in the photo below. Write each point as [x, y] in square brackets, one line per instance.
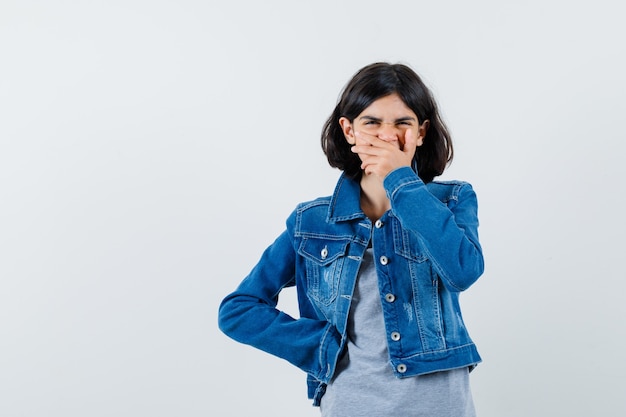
[150, 150]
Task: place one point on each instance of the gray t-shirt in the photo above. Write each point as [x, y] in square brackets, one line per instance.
[365, 385]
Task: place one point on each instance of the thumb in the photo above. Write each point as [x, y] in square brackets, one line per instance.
[410, 143]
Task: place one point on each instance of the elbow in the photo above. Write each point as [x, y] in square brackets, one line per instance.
[471, 267]
[223, 323]
[238, 317]
[227, 317]
[473, 273]
[466, 275]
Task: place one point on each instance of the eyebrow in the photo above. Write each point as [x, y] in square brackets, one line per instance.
[401, 119]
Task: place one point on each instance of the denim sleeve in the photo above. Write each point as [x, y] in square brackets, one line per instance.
[448, 233]
[249, 314]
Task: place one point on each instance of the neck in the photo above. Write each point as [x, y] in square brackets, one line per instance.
[374, 201]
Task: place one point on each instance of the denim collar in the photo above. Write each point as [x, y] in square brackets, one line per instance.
[345, 203]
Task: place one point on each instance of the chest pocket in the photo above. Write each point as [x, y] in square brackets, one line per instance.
[324, 263]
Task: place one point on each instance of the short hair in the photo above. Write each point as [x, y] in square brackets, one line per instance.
[371, 83]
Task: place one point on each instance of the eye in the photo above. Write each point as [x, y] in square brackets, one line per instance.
[371, 122]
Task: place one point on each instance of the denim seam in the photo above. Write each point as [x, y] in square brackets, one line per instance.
[299, 233]
[402, 185]
[445, 350]
[324, 365]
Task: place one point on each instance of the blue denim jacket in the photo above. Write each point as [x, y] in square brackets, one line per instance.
[426, 249]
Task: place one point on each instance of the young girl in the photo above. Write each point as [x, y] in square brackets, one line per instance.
[378, 265]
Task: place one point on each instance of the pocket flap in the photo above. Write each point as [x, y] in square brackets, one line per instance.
[322, 251]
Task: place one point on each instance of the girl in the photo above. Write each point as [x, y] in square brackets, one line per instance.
[378, 265]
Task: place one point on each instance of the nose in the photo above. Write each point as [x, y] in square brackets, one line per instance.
[388, 132]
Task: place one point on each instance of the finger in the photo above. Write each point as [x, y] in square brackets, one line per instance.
[365, 150]
[371, 140]
[368, 145]
[410, 143]
[363, 137]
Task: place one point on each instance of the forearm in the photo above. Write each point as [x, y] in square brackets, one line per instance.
[249, 315]
[303, 342]
[450, 238]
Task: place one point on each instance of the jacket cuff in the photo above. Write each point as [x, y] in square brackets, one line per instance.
[399, 178]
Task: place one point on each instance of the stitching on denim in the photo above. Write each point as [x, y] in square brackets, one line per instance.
[322, 201]
[323, 348]
[312, 235]
[402, 185]
[439, 351]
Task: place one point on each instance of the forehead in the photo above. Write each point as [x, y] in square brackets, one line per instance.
[390, 106]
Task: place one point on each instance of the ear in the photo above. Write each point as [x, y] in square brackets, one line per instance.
[348, 130]
[421, 132]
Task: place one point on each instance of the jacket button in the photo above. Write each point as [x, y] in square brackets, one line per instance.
[384, 260]
[324, 253]
[378, 224]
[395, 336]
[401, 368]
[390, 298]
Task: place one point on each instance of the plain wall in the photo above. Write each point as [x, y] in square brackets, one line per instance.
[150, 150]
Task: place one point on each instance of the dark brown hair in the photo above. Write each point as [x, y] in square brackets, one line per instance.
[371, 83]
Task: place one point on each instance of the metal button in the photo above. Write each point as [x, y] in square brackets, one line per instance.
[401, 368]
[395, 336]
[390, 298]
[384, 260]
[324, 252]
[378, 224]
